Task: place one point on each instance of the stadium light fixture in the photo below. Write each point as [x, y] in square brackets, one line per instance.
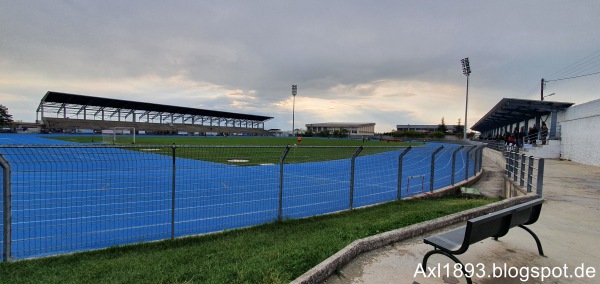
[294, 93]
[466, 71]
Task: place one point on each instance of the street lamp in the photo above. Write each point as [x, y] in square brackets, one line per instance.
[294, 93]
[466, 71]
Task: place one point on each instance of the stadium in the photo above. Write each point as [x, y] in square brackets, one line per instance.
[83, 192]
[111, 172]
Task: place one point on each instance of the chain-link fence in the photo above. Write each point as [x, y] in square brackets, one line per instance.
[60, 199]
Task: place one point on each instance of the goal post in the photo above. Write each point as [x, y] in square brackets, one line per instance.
[119, 135]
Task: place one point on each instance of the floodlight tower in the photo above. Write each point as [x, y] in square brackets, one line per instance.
[466, 71]
[294, 93]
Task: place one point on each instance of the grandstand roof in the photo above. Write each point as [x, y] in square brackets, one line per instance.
[64, 98]
[509, 111]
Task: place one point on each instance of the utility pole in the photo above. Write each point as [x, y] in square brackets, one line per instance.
[542, 83]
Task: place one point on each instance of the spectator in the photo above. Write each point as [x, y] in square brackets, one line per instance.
[521, 137]
[544, 133]
[533, 134]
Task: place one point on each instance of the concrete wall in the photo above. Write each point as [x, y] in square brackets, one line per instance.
[580, 132]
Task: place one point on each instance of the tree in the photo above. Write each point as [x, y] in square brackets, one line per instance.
[323, 133]
[459, 129]
[344, 133]
[5, 118]
[442, 127]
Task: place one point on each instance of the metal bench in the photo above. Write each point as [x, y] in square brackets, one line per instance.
[494, 225]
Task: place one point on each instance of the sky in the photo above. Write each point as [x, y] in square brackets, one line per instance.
[383, 62]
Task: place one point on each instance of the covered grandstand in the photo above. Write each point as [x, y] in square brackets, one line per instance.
[62, 112]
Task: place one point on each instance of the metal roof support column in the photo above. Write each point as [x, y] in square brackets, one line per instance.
[537, 126]
[553, 122]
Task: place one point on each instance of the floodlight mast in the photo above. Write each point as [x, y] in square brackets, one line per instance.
[466, 71]
[294, 93]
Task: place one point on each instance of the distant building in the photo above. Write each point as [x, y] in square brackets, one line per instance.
[22, 127]
[279, 133]
[354, 129]
[422, 128]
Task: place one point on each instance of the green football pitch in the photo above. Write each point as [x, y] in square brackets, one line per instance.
[235, 141]
[247, 151]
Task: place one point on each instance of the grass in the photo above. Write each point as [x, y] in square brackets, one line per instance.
[225, 149]
[272, 253]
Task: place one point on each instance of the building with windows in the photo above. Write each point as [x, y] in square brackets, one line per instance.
[354, 129]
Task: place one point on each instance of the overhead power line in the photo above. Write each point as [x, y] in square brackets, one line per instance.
[572, 77]
[580, 66]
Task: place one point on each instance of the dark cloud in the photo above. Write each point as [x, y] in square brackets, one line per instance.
[334, 50]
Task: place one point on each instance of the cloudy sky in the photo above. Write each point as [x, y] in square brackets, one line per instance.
[387, 62]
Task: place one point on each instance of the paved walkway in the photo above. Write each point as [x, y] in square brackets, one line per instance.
[568, 228]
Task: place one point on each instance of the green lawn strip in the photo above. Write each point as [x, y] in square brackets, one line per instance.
[272, 253]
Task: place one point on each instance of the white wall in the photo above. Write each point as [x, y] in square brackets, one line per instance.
[580, 133]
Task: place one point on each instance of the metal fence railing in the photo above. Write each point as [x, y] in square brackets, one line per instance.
[527, 171]
[61, 199]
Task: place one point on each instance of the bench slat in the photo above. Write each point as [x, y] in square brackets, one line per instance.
[451, 240]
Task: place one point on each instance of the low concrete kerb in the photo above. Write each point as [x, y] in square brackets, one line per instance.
[322, 271]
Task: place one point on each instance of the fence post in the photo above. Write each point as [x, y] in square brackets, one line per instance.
[6, 208]
[400, 159]
[432, 173]
[281, 160]
[507, 170]
[352, 166]
[478, 159]
[511, 164]
[522, 178]
[173, 176]
[454, 164]
[481, 157]
[515, 166]
[530, 174]
[467, 162]
[540, 177]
